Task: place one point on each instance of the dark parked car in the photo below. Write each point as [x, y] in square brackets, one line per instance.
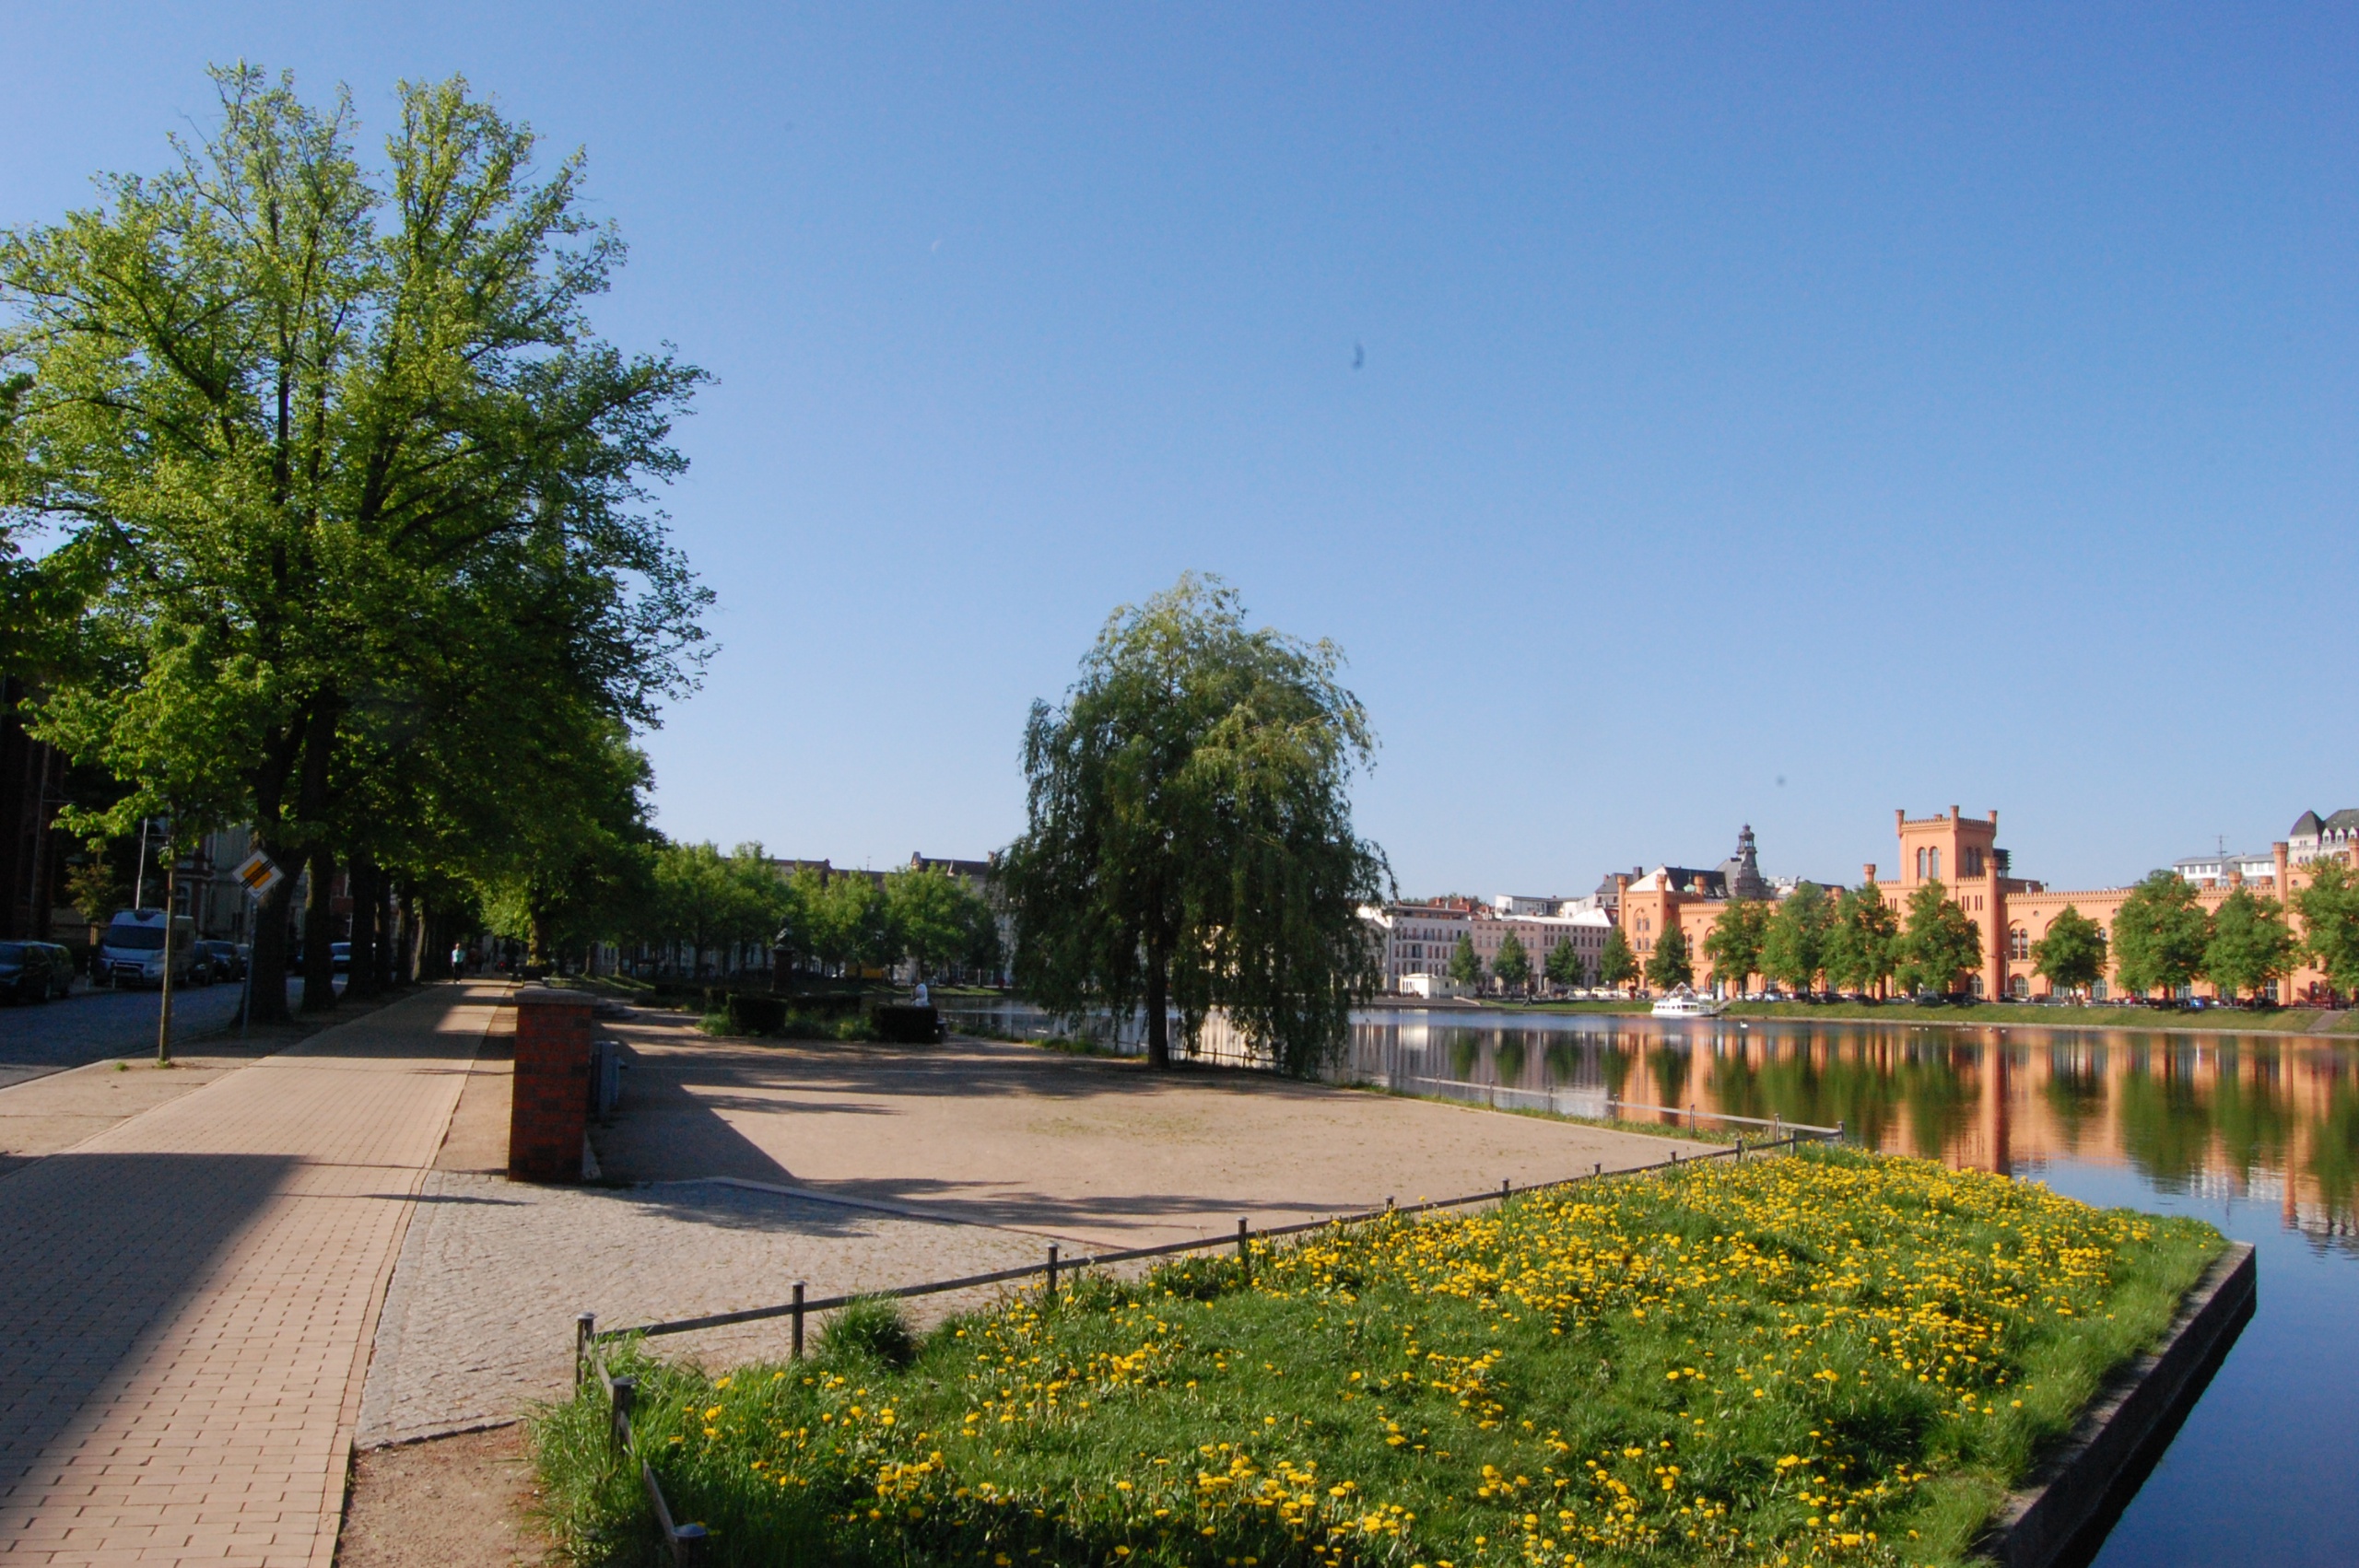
[35, 971]
[340, 956]
[228, 959]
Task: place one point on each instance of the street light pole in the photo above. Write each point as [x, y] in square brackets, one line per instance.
[164, 1017]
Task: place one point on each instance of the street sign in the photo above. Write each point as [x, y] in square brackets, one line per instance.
[260, 875]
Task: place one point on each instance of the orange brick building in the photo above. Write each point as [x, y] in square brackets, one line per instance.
[1963, 854]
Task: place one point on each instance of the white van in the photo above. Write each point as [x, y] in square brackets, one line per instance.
[131, 952]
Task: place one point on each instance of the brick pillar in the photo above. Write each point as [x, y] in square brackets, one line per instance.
[550, 1110]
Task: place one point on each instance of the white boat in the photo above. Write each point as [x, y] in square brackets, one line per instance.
[1685, 1003]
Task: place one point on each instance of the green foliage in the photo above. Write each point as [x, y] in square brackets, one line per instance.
[1617, 965]
[2330, 910]
[1734, 944]
[1513, 966]
[708, 902]
[937, 920]
[1189, 840]
[1794, 947]
[350, 504]
[1564, 966]
[1465, 964]
[871, 1331]
[2160, 936]
[1941, 943]
[2073, 954]
[1862, 945]
[1668, 966]
[2251, 944]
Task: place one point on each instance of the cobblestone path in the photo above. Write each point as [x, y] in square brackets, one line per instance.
[187, 1299]
[479, 1319]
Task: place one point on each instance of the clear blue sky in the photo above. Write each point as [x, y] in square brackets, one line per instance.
[1770, 417]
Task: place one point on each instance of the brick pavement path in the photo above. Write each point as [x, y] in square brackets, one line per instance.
[186, 1299]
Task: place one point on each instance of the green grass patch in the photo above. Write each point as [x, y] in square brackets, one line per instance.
[1834, 1357]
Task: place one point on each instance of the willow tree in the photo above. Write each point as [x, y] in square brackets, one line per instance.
[285, 413]
[1189, 843]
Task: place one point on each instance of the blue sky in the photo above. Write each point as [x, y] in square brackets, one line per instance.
[1770, 417]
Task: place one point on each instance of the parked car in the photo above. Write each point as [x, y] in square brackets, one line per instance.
[132, 951]
[340, 956]
[35, 971]
[228, 958]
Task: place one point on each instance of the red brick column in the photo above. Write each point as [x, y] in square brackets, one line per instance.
[551, 1107]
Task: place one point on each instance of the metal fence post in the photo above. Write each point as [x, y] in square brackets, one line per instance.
[1244, 1258]
[798, 1321]
[1503, 1190]
[1052, 1270]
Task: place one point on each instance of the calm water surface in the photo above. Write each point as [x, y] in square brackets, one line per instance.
[2257, 1134]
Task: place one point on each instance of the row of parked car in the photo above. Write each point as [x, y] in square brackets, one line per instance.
[43, 971]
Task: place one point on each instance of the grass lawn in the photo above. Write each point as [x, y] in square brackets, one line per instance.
[1832, 1357]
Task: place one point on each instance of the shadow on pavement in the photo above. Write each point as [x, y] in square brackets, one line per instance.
[96, 1250]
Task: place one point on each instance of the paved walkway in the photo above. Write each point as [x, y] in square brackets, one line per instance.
[187, 1299]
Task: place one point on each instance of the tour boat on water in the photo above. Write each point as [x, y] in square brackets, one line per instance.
[1685, 1003]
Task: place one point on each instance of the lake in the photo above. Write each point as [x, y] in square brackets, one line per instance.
[2257, 1134]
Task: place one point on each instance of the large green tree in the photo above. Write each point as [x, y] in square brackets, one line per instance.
[1564, 966]
[1794, 945]
[2160, 935]
[1189, 841]
[1669, 965]
[1465, 964]
[1513, 965]
[1940, 944]
[315, 441]
[1863, 943]
[1734, 944]
[2251, 944]
[2071, 954]
[2330, 911]
[1617, 965]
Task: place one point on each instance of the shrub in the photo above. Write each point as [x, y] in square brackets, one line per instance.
[873, 1329]
[907, 1025]
[754, 1014]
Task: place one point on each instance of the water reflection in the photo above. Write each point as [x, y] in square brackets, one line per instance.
[2252, 1115]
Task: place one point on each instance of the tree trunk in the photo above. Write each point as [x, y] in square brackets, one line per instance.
[319, 934]
[266, 954]
[434, 946]
[1158, 1021]
[360, 973]
[413, 938]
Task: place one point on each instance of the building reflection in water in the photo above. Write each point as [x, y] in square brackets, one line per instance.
[2252, 1116]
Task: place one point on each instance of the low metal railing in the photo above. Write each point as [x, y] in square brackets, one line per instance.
[686, 1542]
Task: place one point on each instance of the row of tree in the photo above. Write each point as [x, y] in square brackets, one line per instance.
[697, 911]
[2162, 939]
[323, 510]
[1511, 966]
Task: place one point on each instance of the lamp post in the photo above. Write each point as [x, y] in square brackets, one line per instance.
[171, 887]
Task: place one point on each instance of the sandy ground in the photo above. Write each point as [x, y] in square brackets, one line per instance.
[463, 1502]
[1098, 1152]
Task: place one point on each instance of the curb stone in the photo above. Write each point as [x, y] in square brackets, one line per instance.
[2100, 1466]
